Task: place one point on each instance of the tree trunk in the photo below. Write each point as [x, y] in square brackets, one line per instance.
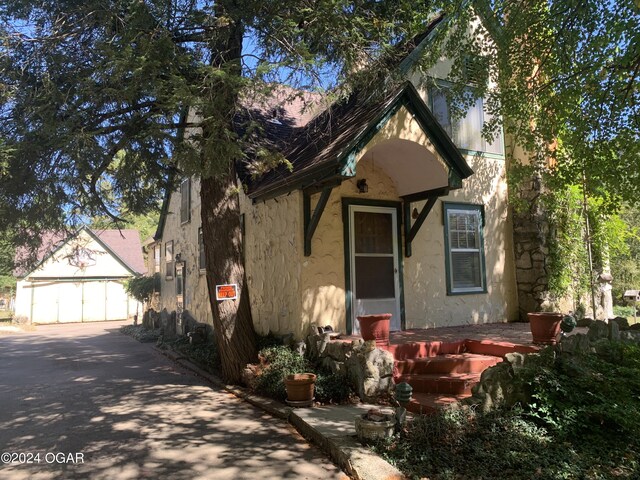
[221, 227]
[222, 232]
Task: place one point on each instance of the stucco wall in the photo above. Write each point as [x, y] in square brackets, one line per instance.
[273, 255]
[426, 301]
[185, 243]
[425, 297]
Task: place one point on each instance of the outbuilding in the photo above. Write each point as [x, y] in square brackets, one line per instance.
[81, 278]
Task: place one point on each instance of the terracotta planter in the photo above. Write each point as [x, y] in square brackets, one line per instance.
[545, 327]
[369, 430]
[300, 387]
[376, 327]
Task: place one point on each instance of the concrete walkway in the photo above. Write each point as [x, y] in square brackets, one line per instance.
[125, 412]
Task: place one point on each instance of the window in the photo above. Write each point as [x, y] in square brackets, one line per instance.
[185, 200]
[180, 281]
[168, 259]
[464, 248]
[156, 258]
[202, 262]
[465, 132]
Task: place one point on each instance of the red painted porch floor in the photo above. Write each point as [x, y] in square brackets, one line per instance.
[516, 332]
[442, 364]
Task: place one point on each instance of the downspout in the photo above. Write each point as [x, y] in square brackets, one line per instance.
[31, 309]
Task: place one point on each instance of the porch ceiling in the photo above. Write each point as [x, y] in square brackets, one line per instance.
[412, 167]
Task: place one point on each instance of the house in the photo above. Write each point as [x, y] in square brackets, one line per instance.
[390, 206]
[80, 278]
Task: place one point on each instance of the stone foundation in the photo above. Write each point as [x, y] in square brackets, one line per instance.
[369, 369]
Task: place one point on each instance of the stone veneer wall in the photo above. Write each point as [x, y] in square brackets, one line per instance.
[530, 232]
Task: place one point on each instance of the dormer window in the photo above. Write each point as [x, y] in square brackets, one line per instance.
[466, 132]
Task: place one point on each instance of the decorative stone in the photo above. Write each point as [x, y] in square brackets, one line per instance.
[524, 261]
[585, 322]
[630, 336]
[614, 332]
[622, 322]
[515, 359]
[496, 387]
[598, 330]
[575, 344]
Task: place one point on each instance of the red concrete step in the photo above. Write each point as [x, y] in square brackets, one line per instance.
[410, 350]
[499, 349]
[448, 363]
[452, 383]
[429, 403]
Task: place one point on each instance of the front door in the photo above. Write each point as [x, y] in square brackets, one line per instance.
[373, 249]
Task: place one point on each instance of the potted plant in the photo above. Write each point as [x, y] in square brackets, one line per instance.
[545, 326]
[374, 425]
[300, 389]
[375, 327]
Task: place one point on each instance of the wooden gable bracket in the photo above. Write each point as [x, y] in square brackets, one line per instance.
[311, 220]
[410, 231]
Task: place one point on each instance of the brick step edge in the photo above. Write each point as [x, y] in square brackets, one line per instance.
[445, 364]
[452, 384]
[430, 403]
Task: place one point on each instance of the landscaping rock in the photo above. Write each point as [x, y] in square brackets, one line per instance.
[622, 322]
[598, 330]
[515, 359]
[584, 322]
[575, 344]
[371, 371]
[614, 332]
[496, 388]
[630, 336]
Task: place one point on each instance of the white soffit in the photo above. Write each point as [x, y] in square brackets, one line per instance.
[411, 166]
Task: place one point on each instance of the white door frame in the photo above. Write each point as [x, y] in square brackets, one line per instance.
[397, 320]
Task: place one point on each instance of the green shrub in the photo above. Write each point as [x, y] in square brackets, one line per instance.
[619, 311]
[332, 388]
[581, 407]
[204, 354]
[594, 395]
[279, 361]
[141, 288]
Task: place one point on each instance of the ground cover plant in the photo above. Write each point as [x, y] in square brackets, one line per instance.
[277, 361]
[204, 354]
[581, 421]
[141, 333]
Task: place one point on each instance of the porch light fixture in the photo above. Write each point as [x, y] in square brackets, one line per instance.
[362, 185]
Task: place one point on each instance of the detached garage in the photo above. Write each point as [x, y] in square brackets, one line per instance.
[81, 278]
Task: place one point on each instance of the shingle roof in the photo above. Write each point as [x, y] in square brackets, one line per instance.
[124, 244]
[310, 141]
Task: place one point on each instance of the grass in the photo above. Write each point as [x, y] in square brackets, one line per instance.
[5, 315]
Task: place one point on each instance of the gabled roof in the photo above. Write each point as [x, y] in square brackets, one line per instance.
[124, 245]
[317, 150]
[320, 151]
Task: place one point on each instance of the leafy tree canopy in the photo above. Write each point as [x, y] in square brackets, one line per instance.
[82, 81]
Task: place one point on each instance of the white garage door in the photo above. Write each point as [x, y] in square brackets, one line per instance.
[89, 301]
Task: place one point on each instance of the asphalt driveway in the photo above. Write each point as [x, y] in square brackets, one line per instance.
[84, 401]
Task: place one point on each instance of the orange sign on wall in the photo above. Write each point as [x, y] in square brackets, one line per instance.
[227, 292]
